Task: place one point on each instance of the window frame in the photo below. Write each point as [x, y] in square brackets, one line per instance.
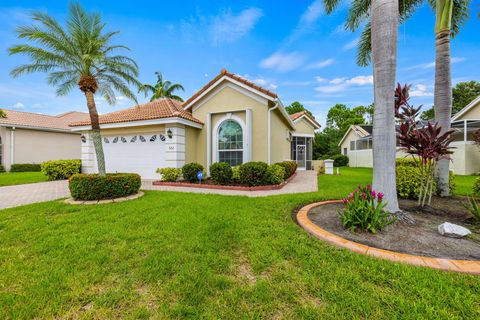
[216, 148]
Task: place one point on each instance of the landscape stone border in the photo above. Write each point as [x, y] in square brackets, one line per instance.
[87, 202]
[464, 266]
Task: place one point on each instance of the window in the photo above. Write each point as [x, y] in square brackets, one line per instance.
[352, 145]
[230, 143]
[345, 152]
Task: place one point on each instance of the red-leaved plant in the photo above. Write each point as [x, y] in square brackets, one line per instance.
[423, 141]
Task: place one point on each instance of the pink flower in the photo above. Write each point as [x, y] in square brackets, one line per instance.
[369, 186]
[351, 195]
[345, 200]
[380, 195]
[364, 196]
[373, 193]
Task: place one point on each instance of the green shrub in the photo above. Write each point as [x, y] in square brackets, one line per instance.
[221, 173]
[25, 167]
[364, 210]
[408, 181]
[406, 162]
[275, 174]
[169, 174]
[340, 160]
[290, 168]
[236, 174]
[2, 169]
[96, 187]
[61, 169]
[190, 171]
[476, 187]
[473, 207]
[253, 173]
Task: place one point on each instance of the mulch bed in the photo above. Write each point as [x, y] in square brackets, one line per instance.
[209, 184]
[421, 238]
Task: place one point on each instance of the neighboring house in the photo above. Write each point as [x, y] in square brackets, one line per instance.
[27, 137]
[357, 142]
[230, 119]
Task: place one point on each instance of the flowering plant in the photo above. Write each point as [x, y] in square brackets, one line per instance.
[364, 209]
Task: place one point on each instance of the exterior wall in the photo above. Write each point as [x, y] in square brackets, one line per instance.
[465, 159]
[472, 114]
[229, 100]
[302, 126]
[280, 144]
[346, 144]
[35, 146]
[190, 144]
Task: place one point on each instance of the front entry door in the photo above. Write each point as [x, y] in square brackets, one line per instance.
[301, 156]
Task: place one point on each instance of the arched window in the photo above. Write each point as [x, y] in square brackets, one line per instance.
[230, 142]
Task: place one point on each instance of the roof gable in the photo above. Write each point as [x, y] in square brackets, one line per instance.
[308, 118]
[475, 103]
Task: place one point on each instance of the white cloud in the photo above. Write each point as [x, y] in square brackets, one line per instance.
[350, 45]
[283, 62]
[18, 105]
[331, 89]
[432, 64]
[273, 86]
[337, 80]
[261, 81]
[229, 27]
[313, 12]
[421, 90]
[321, 64]
[360, 80]
[320, 79]
[343, 83]
[457, 59]
[296, 83]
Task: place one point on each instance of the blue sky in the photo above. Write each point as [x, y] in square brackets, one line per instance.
[290, 47]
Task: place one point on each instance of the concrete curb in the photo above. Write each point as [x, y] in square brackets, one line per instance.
[464, 266]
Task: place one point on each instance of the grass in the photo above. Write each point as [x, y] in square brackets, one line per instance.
[350, 178]
[14, 178]
[177, 255]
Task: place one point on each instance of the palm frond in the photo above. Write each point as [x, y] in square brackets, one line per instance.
[364, 49]
[330, 5]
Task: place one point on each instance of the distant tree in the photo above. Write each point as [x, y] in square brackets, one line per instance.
[341, 117]
[366, 112]
[162, 89]
[295, 107]
[463, 93]
[2, 114]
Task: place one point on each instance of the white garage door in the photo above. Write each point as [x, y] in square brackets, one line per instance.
[137, 153]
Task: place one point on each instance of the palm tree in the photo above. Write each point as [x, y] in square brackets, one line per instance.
[162, 89]
[78, 55]
[2, 114]
[383, 15]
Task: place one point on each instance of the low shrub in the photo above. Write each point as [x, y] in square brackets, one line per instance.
[169, 174]
[190, 171]
[275, 174]
[96, 187]
[236, 174]
[61, 169]
[406, 162]
[221, 173]
[364, 209]
[290, 168]
[473, 207]
[408, 181]
[253, 173]
[26, 167]
[2, 169]
[476, 187]
[340, 160]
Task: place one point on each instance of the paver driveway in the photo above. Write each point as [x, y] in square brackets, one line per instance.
[12, 196]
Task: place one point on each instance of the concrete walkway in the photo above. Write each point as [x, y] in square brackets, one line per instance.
[305, 181]
[13, 196]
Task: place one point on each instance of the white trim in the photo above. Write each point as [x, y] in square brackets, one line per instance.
[313, 125]
[36, 128]
[466, 108]
[233, 87]
[285, 113]
[248, 120]
[141, 123]
[209, 142]
[269, 138]
[307, 135]
[228, 116]
[12, 146]
[227, 78]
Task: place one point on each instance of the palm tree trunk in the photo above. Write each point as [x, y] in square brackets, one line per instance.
[384, 17]
[443, 103]
[97, 138]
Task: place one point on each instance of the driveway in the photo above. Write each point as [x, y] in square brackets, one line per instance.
[13, 196]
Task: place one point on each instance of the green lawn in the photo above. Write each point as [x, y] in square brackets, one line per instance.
[332, 186]
[13, 178]
[177, 255]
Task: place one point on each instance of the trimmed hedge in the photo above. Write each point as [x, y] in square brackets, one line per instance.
[221, 173]
[96, 187]
[2, 169]
[290, 168]
[236, 174]
[169, 174]
[190, 171]
[476, 187]
[253, 173]
[275, 174]
[61, 169]
[26, 167]
[340, 160]
[406, 162]
[408, 181]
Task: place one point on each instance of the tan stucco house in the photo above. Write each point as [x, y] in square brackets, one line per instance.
[229, 120]
[27, 137]
[357, 142]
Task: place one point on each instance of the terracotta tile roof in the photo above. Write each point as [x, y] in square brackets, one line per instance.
[222, 73]
[297, 115]
[157, 109]
[42, 121]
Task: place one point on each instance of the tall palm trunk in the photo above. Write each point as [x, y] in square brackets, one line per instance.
[443, 85]
[384, 17]
[97, 138]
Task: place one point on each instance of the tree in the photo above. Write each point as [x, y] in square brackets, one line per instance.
[295, 107]
[162, 89]
[2, 114]
[340, 117]
[78, 55]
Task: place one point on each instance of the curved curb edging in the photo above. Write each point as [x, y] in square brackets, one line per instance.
[122, 199]
[464, 266]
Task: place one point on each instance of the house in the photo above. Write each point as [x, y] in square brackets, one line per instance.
[229, 120]
[357, 142]
[27, 137]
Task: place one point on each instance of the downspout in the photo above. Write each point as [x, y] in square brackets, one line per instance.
[209, 141]
[12, 146]
[268, 131]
